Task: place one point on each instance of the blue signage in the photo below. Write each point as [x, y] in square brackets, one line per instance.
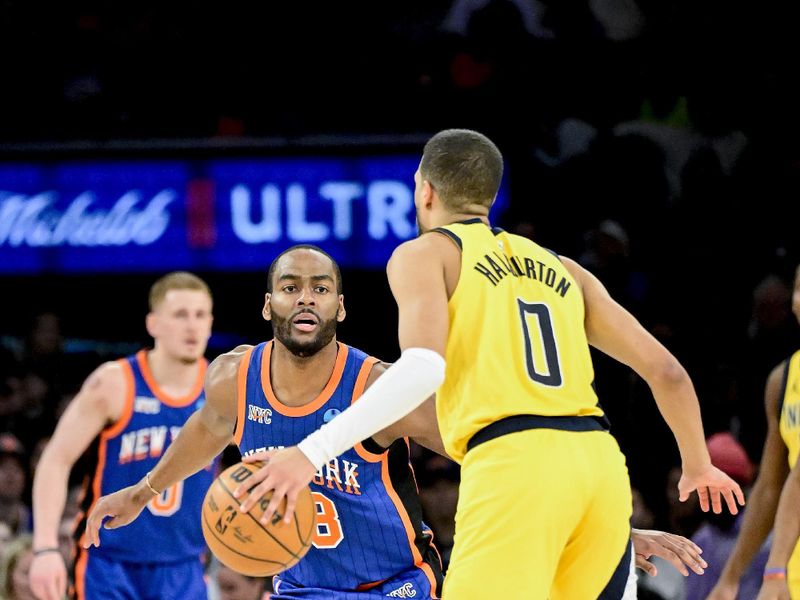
[219, 214]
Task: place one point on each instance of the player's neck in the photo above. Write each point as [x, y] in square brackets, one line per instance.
[297, 381]
[172, 375]
[448, 218]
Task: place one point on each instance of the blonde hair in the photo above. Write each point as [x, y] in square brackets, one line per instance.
[177, 280]
[14, 551]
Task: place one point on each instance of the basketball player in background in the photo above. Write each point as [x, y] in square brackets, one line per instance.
[781, 449]
[129, 411]
[776, 585]
[272, 394]
[544, 502]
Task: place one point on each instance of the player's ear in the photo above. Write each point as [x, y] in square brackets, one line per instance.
[428, 193]
[341, 313]
[267, 310]
[151, 323]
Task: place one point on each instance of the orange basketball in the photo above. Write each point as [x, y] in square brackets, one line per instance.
[240, 541]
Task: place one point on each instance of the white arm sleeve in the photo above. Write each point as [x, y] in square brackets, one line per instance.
[403, 387]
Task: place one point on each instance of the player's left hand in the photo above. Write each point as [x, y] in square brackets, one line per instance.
[774, 589]
[676, 549]
[285, 473]
[711, 484]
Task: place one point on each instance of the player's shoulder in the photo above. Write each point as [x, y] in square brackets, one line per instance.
[430, 250]
[106, 388]
[431, 241]
[111, 374]
[227, 364]
[776, 384]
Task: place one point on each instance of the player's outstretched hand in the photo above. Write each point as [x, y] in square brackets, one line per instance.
[48, 576]
[285, 473]
[711, 485]
[676, 549]
[124, 506]
[774, 589]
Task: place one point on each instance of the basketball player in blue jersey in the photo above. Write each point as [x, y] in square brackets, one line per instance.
[129, 412]
[370, 540]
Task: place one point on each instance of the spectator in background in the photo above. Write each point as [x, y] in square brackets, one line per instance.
[12, 400]
[717, 535]
[14, 570]
[13, 510]
[5, 538]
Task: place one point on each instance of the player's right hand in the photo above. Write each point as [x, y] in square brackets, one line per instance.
[712, 487]
[48, 576]
[724, 591]
[123, 506]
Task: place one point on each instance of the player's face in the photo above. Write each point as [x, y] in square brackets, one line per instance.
[181, 324]
[304, 306]
[796, 295]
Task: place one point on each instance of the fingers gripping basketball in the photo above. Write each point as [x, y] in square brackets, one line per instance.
[240, 541]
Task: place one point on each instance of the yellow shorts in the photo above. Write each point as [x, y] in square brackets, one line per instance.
[542, 514]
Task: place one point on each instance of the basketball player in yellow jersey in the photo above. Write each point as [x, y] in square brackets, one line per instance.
[783, 551]
[781, 449]
[500, 328]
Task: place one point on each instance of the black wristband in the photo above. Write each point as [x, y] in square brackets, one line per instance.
[45, 551]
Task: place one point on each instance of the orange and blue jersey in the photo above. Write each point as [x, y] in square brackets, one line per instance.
[168, 529]
[370, 538]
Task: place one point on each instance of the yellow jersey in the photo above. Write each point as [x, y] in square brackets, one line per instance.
[517, 343]
[790, 408]
[789, 425]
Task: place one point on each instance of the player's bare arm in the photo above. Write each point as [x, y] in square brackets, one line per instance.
[764, 496]
[203, 437]
[99, 403]
[613, 330]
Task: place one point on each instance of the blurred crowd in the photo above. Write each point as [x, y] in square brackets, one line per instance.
[652, 141]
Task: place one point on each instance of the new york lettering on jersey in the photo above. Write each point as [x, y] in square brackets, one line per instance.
[128, 449]
[369, 523]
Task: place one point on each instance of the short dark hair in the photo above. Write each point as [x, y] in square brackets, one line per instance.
[274, 264]
[463, 166]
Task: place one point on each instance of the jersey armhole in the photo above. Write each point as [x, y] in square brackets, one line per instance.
[241, 395]
[114, 429]
[554, 253]
[453, 237]
[368, 449]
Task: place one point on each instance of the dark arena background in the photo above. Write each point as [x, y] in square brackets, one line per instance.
[654, 142]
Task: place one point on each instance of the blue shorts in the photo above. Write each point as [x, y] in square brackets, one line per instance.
[100, 578]
[410, 584]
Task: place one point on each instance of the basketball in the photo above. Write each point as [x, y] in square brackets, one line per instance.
[240, 541]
